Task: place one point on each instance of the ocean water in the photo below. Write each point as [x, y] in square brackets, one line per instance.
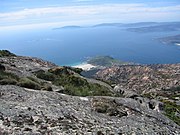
[73, 46]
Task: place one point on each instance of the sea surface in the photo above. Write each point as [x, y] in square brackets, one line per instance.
[73, 46]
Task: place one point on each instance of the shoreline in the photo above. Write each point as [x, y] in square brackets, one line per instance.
[85, 66]
[178, 44]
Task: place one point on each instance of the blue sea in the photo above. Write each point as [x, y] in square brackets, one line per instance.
[73, 46]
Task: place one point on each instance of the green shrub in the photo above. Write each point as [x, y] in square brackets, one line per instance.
[8, 81]
[59, 71]
[45, 75]
[76, 70]
[28, 83]
[6, 53]
[73, 85]
[76, 81]
[171, 109]
[7, 75]
[87, 90]
[7, 78]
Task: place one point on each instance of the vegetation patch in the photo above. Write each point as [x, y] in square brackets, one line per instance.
[106, 61]
[73, 84]
[45, 75]
[109, 107]
[8, 75]
[76, 70]
[6, 53]
[172, 111]
[7, 78]
[8, 81]
[28, 83]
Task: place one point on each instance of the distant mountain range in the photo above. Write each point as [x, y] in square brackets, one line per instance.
[139, 24]
[160, 27]
[68, 27]
[108, 24]
[134, 27]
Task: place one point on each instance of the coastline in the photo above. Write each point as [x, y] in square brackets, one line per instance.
[178, 44]
[85, 66]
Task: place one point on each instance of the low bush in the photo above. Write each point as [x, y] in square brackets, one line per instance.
[76, 70]
[28, 83]
[87, 90]
[171, 109]
[59, 71]
[6, 53]
[72, 83]
[8, 81]
[45, 75]
[8, 75]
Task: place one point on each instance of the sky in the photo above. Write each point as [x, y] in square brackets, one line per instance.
[86, 12]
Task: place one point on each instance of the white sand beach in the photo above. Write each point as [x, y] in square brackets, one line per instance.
[84, 66]
[178, 44]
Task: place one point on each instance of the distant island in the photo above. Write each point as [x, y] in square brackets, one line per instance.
[161, 27]
[134, 27]
[68, 27]
[108, 24]
[139, 24]
[173, 40]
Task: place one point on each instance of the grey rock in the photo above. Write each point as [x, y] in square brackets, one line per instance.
[124, 92]
[25, 111]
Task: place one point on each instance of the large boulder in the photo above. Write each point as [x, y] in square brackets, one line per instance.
[124, 92]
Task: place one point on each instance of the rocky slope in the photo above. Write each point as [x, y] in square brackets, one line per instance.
[142, 78]
[25, 111]
[32, 101]
[160, 82]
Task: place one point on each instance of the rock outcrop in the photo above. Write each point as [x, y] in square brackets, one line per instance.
[26, 111]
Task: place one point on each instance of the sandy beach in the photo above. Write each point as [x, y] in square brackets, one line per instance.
[178, 44]
[84, 66]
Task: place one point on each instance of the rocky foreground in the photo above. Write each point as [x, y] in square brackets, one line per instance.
[38, 97]
[27, 111]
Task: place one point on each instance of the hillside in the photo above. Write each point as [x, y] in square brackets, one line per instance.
[39, 97]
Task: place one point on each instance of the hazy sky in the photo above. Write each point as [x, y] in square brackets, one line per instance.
[86, 12]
